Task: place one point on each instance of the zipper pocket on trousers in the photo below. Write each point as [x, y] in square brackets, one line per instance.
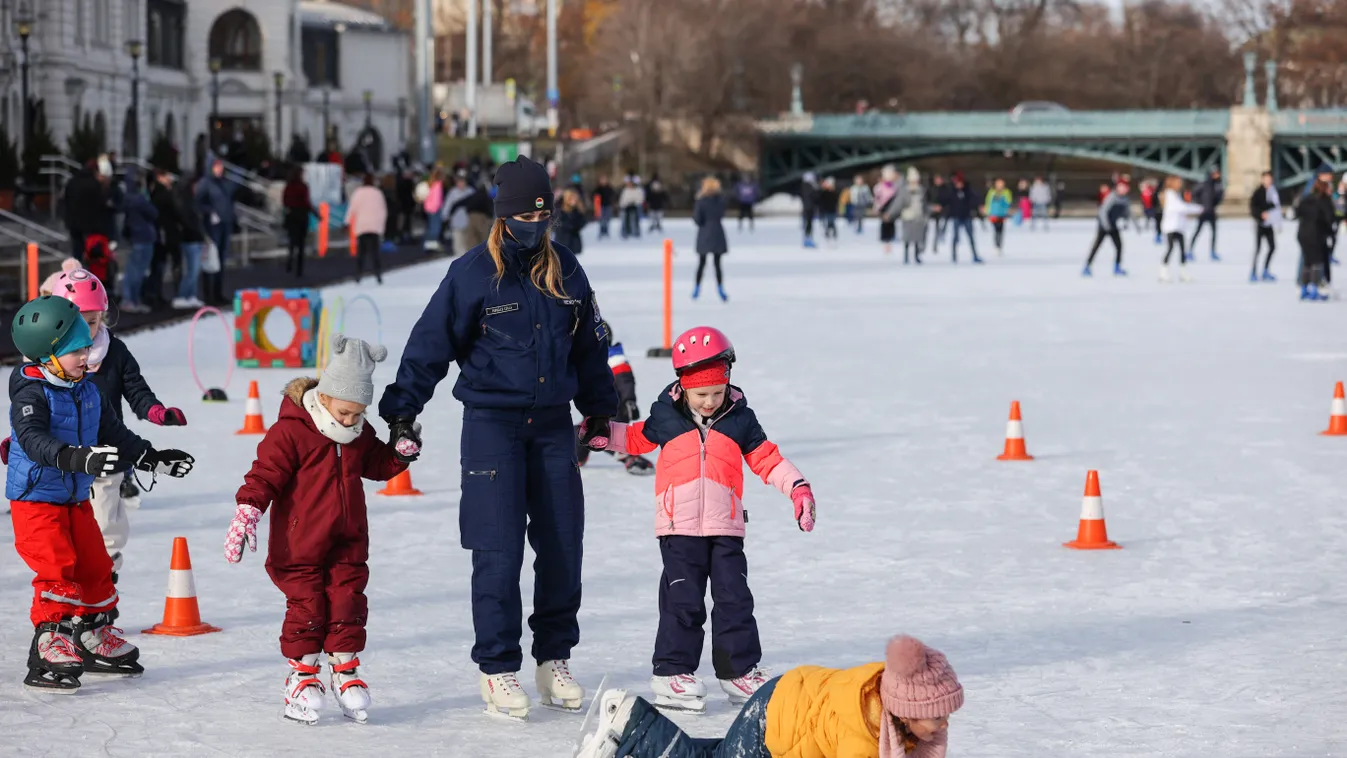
[491, 473]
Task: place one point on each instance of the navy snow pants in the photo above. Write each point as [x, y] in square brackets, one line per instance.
[649, 734]
[688, 563]
[520, 477]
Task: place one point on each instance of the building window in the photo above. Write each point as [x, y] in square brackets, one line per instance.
[236, 40]
[102, 22]
[79, 22]
[165, 24]
[322, 59]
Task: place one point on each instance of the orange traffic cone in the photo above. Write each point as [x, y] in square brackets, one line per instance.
[400, 485]
[1337, 417]
[1092, 534]
[182, 618]
[252, 413]
[1015, 450]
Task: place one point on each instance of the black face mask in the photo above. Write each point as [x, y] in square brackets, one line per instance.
[530, 234]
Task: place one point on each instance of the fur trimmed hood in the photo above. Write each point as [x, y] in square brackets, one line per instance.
[294, 391]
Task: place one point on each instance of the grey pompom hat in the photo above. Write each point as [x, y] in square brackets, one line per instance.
[349, 374]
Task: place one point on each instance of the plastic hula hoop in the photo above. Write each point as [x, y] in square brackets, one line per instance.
[324, 328]
[191, 343]
[378, 317]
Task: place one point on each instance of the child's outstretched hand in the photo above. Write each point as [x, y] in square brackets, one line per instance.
[803, 497]
[167, 416]
[242, 529]
[175, 463]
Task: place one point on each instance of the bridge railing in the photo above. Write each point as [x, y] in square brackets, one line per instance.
[1003, 125]
[1319, 122]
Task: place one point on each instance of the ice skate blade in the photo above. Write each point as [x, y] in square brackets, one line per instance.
[507, 714]
[565, 706]
[680, 706]
[358, 716]
[53, 684]
[300, 715]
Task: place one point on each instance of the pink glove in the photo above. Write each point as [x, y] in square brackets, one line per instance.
[166, 416]
[803, 497]
[242, 529]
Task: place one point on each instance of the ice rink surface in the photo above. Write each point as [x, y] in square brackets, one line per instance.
[1217, 631]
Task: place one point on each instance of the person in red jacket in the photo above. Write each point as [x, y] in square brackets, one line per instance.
[308, 470]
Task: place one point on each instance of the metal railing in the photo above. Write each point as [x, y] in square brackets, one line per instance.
[39, 232]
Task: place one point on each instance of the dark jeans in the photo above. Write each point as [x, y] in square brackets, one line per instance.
[1103, 234]
[701, 268]
[1264, 233]
[746, 214]
[689, 562]
[1201, 222]
[650, 734]
[605, 218]
[520, 479]
[966, 226]
[1176, 238]
[367, 250]
[631, 221]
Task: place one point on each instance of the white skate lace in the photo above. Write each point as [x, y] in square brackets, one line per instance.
[58, 649]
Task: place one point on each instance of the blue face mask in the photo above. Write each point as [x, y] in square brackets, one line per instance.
[529, 234]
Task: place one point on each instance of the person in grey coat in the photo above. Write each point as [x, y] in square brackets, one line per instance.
[707, 215]
[913, 212]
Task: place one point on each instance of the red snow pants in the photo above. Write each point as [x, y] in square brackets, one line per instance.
[324, 580]
[63, 545]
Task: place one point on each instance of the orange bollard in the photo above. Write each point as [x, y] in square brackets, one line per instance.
[1092, 533]
[32, 271]
[667, 350]
[598, 208]
[1015, 450]
[182, 617]
[351, 232]
[1337, 415]
[324, 215]
[252, 413]
[400, 485]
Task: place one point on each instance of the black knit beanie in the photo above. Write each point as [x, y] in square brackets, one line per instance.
[522, 187]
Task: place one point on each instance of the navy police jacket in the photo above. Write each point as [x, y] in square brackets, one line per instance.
[47, 415]
[515, 345]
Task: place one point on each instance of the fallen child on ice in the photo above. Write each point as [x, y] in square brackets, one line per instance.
[308, 470]
[894, 709]
[64, 436]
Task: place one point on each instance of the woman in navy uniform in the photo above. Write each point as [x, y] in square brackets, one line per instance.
[517, 315]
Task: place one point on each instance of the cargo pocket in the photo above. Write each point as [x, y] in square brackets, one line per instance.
[480, 505]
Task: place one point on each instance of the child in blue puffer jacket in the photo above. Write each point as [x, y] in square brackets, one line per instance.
[64, 435]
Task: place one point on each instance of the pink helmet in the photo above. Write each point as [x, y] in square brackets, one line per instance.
[699, 345]
[83, 289]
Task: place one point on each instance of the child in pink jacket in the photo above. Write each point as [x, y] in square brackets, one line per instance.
[706, 431]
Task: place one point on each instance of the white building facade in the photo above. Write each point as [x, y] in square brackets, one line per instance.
[235, 59]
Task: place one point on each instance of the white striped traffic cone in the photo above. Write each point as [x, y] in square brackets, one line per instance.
[252, 413]
[1337, 415]
[1092, 534]
[182, 617]
[1015, 450]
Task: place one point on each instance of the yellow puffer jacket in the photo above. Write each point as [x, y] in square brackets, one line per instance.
[826, 713]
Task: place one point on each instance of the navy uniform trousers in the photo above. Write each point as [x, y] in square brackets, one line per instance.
[520, 477]
[689, 563]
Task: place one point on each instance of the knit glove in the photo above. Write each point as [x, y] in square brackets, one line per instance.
[166, 416]
[98, 461]
[803, 497]
[595, 432]
[242, 529]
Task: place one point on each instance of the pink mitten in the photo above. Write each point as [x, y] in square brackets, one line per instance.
[803, 497]
[242, 529]
[4, 451]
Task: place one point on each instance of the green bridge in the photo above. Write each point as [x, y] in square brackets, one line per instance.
[1242, 141]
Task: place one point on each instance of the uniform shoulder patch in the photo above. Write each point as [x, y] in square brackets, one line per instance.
[601, 331]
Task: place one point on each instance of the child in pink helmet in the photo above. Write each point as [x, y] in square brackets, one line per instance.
[706, 431]
[117, 374]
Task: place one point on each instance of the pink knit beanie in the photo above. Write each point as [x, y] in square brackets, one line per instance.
[918, 683]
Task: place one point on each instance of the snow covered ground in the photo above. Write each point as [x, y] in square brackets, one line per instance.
[1216, 631]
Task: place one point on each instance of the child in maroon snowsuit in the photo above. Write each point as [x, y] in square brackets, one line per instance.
[309, 469]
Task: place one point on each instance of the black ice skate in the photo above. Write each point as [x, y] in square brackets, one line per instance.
[54, 665]
[638, 465]
[103, 650]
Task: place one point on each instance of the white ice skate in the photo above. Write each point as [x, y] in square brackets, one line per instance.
[352, 693]
[1184, 276]
[557, 688]
[303, 691]
[505, 696]
[680, 692]
[740, 689]
[1164, 272]
[614, 709]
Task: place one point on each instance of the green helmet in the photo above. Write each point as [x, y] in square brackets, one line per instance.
[41, 324]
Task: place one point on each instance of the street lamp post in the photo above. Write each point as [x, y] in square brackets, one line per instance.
[214, 99]
[23, 26]
[402, 121]
[134, 48]
[327, 129]
[369, 102]
[279, 78]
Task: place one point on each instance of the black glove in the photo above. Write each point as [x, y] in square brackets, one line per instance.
[633, 410]
[404, 434]
[595, 432]
[175, 463]
[99, 461]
